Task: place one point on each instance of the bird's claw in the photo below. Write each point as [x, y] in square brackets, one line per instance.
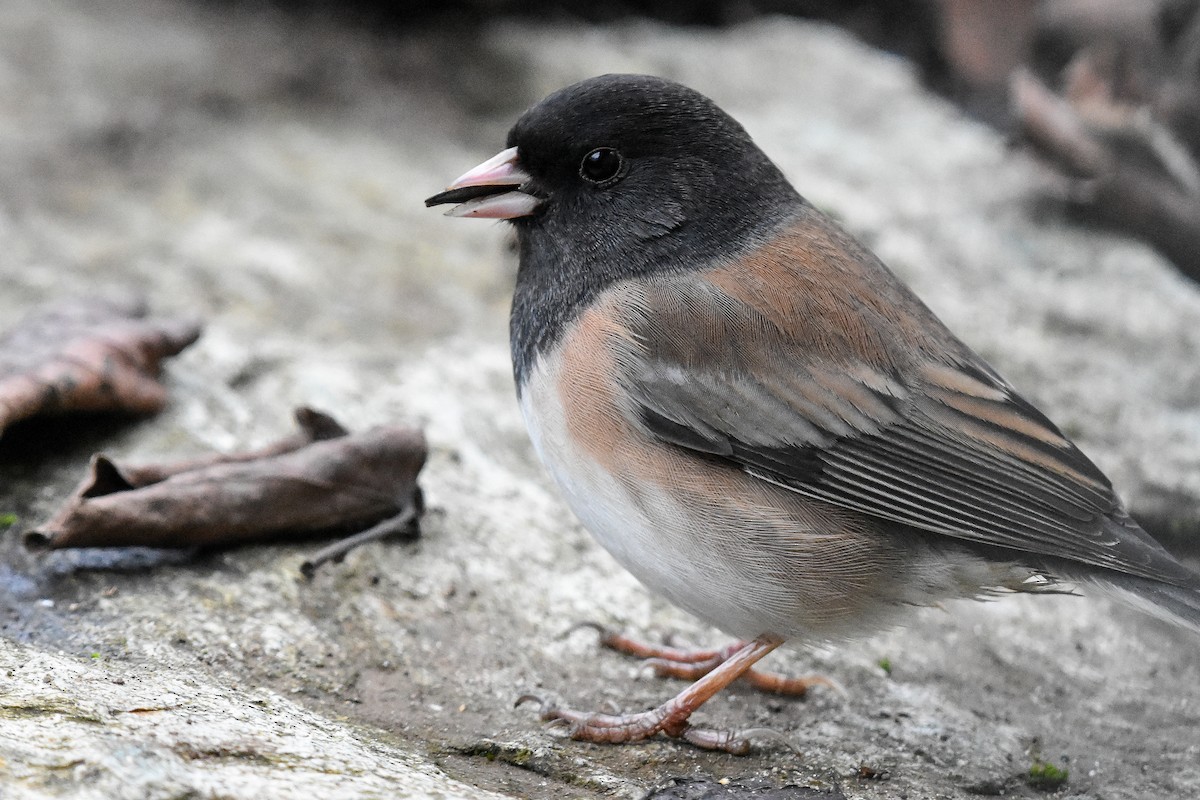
[531, 698]
[602, 630]
[547, 710]
[558, 722]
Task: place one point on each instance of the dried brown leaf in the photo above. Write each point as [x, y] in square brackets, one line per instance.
[94, 355]
[308, 483]
[313, 426]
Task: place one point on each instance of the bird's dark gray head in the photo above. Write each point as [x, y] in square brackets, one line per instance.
[637, 164]
[614, 177]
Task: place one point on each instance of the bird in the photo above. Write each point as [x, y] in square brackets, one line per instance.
[754, 415]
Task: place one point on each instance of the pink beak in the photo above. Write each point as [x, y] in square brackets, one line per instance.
[492, 190]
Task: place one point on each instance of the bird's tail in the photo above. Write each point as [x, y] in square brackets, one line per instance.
[1177, 604]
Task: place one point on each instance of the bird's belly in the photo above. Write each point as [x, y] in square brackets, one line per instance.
[741, 554]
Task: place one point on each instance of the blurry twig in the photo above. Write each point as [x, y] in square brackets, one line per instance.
[405, 522]
[1125, 171]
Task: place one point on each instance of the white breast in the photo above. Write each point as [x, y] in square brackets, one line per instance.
[745, 573]
[743, 555]
[604, 503]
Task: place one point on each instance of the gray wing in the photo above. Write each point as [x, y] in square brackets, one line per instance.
[944, 446]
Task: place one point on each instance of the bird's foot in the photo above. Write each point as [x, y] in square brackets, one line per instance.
[684, 664]
[670, 719]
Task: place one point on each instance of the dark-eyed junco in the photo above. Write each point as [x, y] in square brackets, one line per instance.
[753, 414]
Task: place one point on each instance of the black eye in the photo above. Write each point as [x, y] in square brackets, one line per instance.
[602, 165]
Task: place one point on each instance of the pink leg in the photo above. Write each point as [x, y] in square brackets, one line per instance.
[672, 716]
[673, 662]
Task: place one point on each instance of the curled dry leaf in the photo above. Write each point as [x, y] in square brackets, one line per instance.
[93, 355]
[312, 426]
[321, 479]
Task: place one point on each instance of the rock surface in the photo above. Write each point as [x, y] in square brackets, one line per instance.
[266, 171]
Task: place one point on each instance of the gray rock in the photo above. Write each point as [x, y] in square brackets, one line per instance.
[267, 171]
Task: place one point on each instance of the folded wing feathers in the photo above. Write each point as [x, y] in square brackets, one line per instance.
[983, 466]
